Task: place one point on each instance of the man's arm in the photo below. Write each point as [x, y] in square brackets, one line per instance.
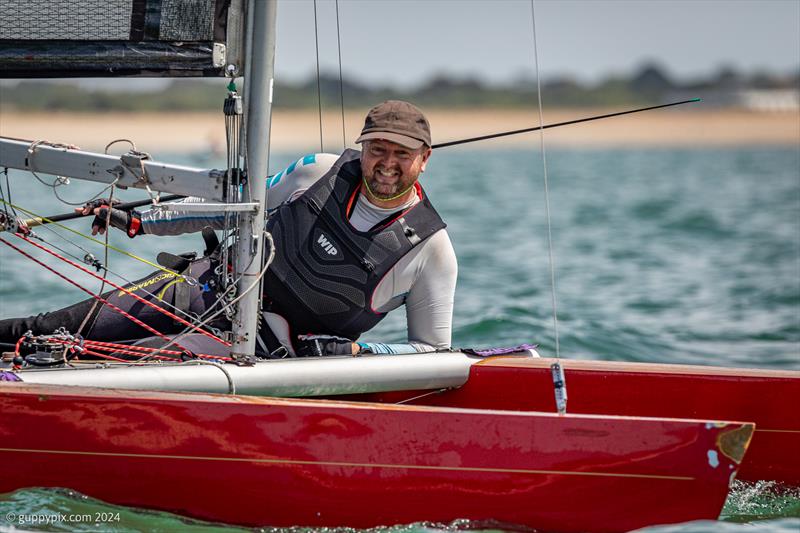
[430, 279]
[284, 186]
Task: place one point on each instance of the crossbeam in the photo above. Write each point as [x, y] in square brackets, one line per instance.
[78, 164]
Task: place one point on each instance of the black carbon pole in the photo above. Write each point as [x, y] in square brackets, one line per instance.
[38, 221]
[548, 126]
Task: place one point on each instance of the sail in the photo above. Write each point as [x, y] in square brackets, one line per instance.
[110, 38]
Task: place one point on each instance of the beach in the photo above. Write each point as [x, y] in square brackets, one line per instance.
[299, 130]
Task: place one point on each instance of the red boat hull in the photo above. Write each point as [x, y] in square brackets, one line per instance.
[258, 461]
[766, 397]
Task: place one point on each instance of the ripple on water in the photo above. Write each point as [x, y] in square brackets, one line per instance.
[698, 225]
[761, 500]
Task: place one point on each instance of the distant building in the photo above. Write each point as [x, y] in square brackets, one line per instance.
[770, 99]
[774, 100]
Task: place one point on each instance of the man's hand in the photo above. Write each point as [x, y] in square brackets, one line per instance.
[319, 345]
[128, 221]
[13, 224]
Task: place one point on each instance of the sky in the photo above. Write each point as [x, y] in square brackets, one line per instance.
[404, 42]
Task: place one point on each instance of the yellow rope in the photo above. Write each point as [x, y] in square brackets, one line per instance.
[101, 243]
[395, 197]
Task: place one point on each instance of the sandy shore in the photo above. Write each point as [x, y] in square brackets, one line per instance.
[299, 130]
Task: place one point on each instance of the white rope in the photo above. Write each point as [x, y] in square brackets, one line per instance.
[233, 302]
[546, 188]
[59, 181]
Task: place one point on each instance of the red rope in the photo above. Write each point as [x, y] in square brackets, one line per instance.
[90, 347]
[97, 297]
[16, 346]
[90, 352]
[114, 346]
[126, 291]
[125, 351]
[140, 350]
[105, 356]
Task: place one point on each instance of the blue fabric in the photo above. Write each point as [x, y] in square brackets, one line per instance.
[380, 347]
[310, 159]
[275, 179]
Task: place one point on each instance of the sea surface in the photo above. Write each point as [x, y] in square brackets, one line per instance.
[661, 255]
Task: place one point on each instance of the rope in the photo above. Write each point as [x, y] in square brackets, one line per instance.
[91, 347]
[138, 350]
[341, 78]
[101, 243]
[60, 180]
[101, 266]
[546, 188]
[126, 291]
[233, 302]
[319, 86]
[91, 311]
[141, 157]
[96, 296]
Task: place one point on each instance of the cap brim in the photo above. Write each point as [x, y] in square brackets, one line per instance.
[403, 140]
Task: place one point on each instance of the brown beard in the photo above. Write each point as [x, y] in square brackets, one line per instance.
[399, 188]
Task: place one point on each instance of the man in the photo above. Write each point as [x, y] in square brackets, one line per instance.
[356, 237]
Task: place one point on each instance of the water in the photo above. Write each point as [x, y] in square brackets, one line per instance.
[751, 508]
[677, 256]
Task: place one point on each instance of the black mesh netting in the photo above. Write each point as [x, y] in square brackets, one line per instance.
[73, 38]
[106, 20]
[74, 20]
[187, 20]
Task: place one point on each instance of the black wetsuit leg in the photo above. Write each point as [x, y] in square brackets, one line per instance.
[108, 324]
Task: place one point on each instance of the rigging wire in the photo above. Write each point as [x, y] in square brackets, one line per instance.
[101, 243]
[319, 85]
[92, 309]
[341, 78]
[3, 196]
[120, 288]
[546, 187]
[91, 312]
[127, 281]
[256, 283]
[90, 293]
[556, 370]
[233, 110]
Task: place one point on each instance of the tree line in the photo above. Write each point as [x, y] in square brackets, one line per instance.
[650, 84]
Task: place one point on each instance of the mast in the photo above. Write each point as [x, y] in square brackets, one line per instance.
[260, 66]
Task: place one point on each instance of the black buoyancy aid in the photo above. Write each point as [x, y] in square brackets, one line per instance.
[325, 272]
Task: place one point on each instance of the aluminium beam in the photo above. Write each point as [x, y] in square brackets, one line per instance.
[102, 168]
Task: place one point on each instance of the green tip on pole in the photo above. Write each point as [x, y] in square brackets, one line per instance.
[696, 100]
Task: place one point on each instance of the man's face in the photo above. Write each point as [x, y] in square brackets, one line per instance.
[390, 168]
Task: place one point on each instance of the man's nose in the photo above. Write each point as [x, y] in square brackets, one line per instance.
[389, 159]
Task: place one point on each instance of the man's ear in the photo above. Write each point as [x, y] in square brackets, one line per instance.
[425, 156]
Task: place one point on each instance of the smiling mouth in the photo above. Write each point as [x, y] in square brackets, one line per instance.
[382, 175]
